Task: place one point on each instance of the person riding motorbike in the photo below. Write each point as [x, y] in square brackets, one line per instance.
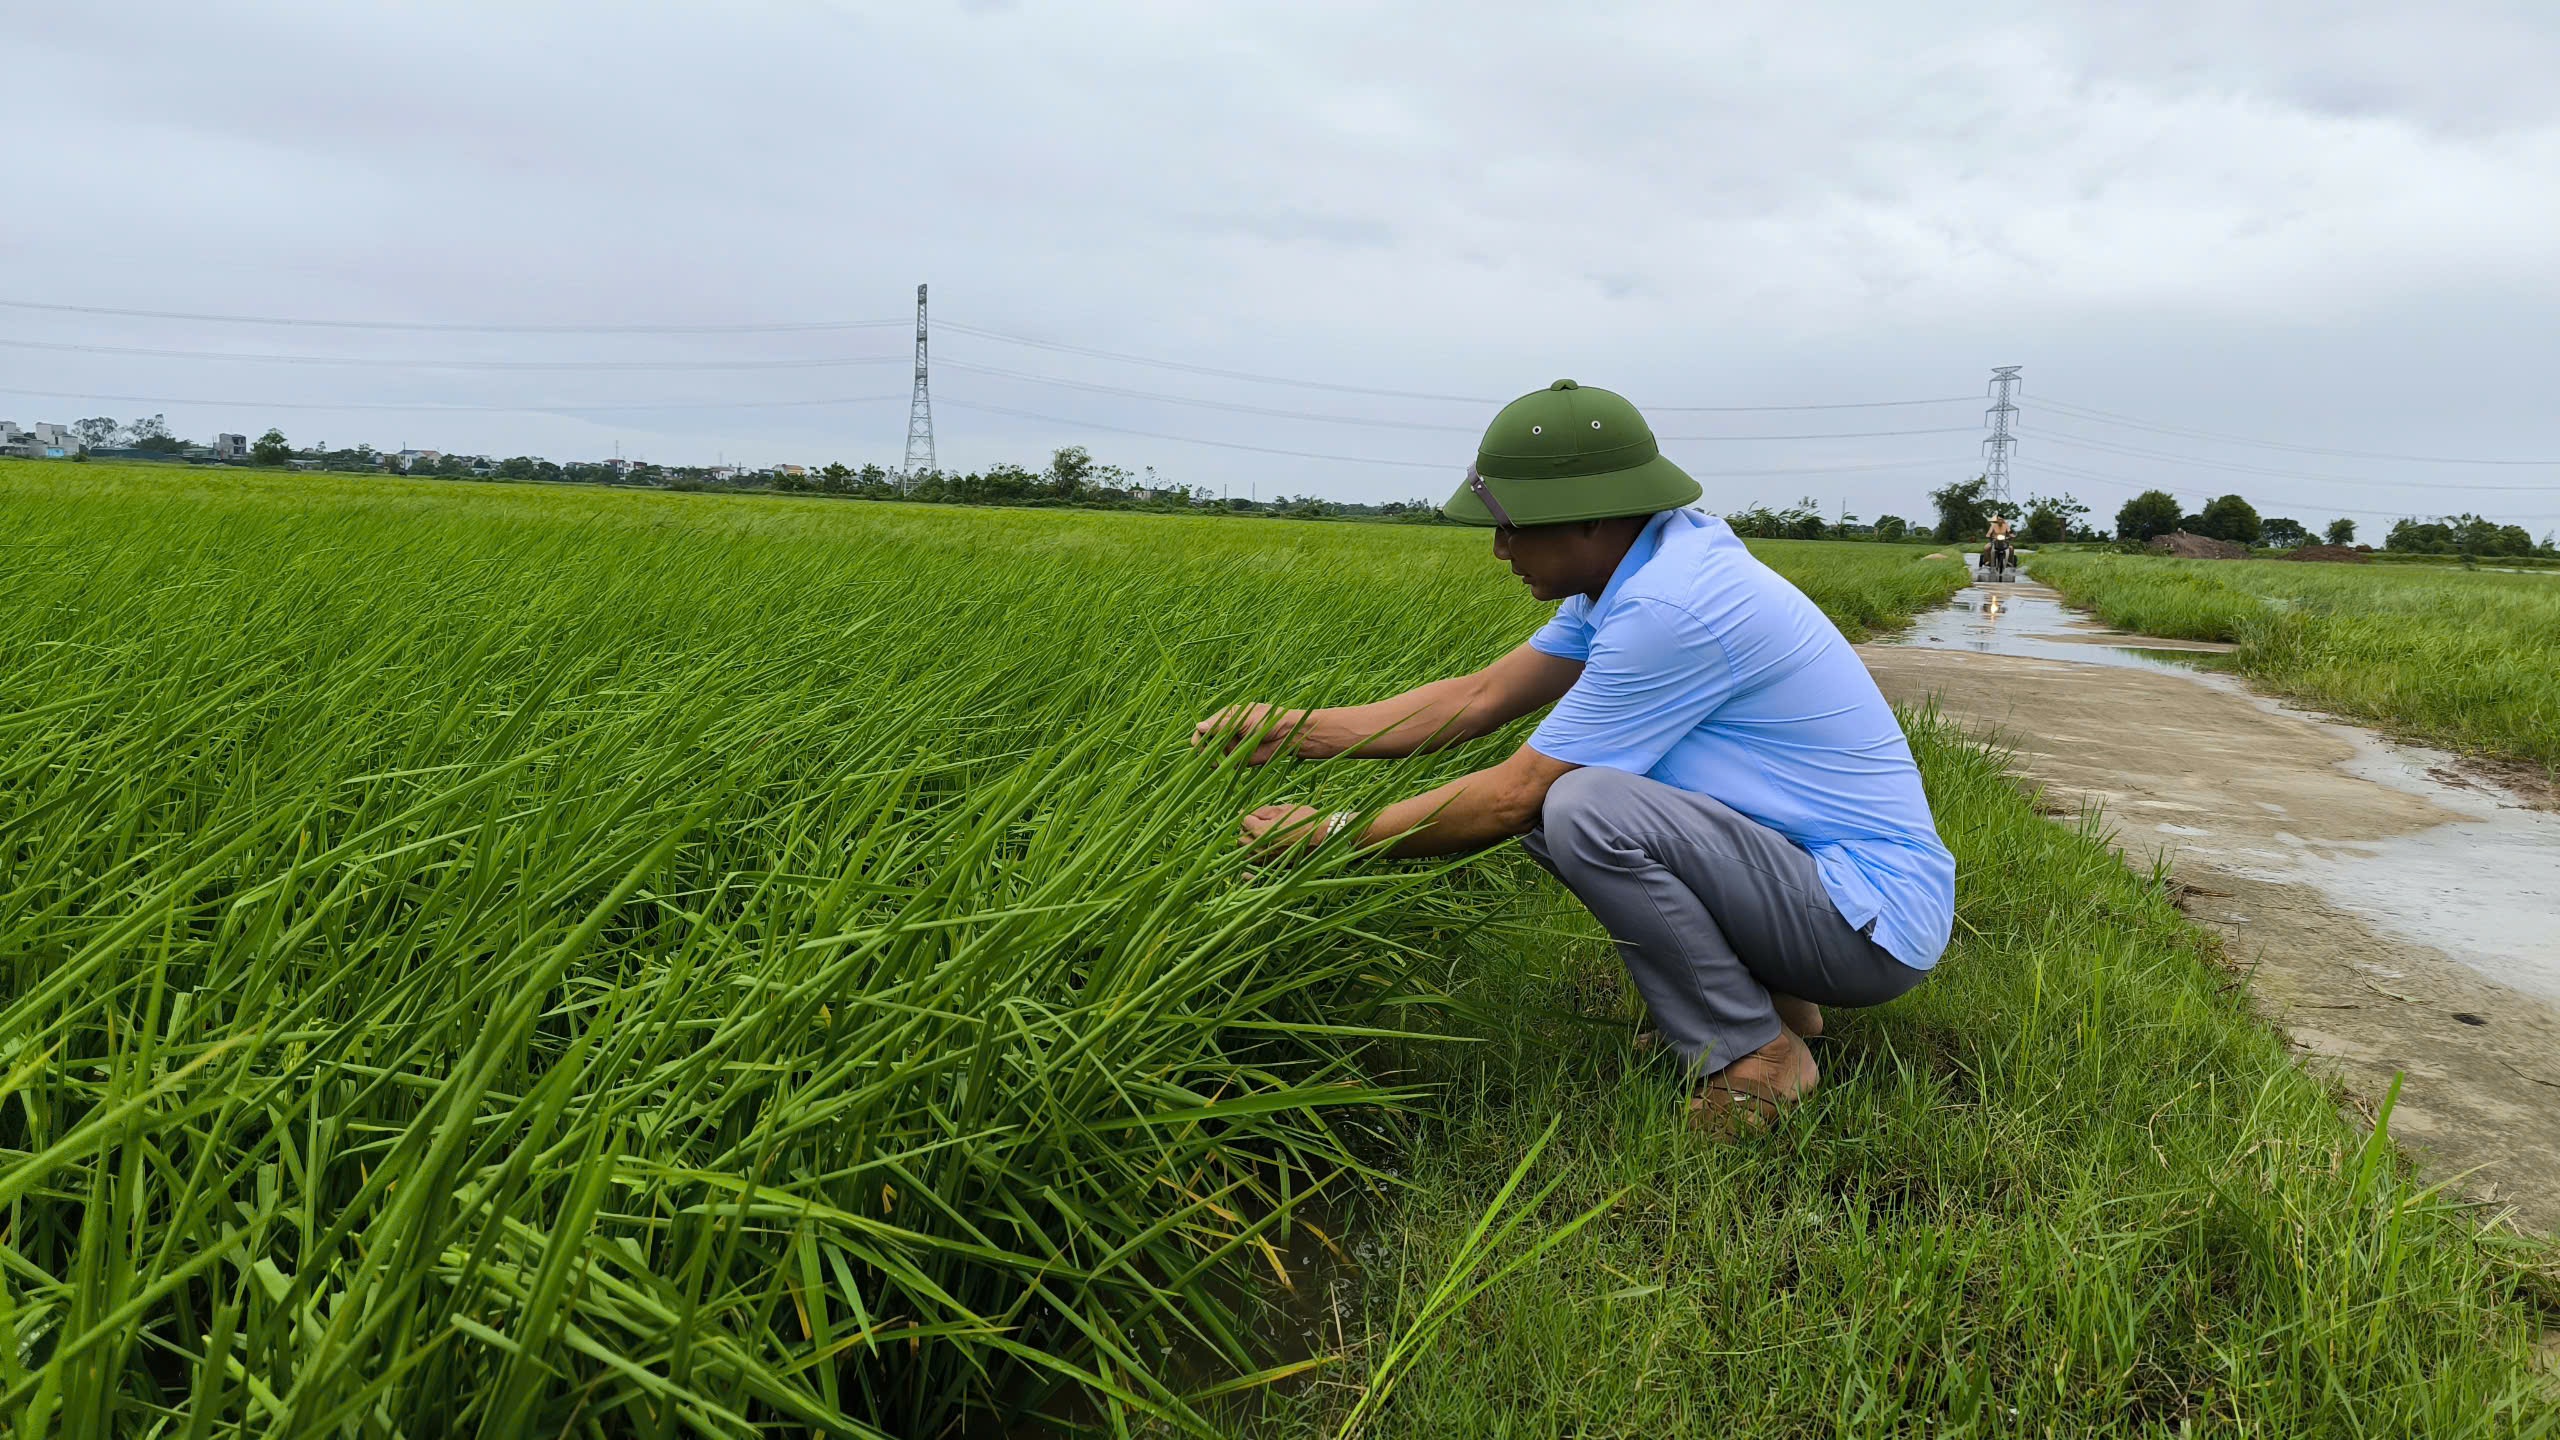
[1998, 554]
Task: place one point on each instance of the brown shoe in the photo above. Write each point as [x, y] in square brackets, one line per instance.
[1752, 1092]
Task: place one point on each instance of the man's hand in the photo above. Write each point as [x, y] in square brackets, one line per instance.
[1282, 832]
[1238, 723]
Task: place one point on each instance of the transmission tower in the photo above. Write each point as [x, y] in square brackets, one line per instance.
[1995, 447]
[919, 412]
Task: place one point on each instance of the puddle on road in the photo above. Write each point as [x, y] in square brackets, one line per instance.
[2030, 621]
[2484, 887]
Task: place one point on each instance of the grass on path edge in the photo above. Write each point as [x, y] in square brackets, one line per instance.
[2464, 659]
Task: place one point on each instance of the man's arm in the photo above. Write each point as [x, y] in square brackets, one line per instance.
[1425, 718]
[1473, 812]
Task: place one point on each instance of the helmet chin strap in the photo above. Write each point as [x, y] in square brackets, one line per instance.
[1484, 494]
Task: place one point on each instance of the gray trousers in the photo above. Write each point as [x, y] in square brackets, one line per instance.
[1711, 911]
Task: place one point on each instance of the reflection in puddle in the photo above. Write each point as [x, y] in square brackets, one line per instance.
[2028, 620]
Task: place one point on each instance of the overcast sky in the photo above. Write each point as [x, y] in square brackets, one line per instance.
[2332, 225]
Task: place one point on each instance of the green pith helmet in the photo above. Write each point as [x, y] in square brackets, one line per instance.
[1568, 452]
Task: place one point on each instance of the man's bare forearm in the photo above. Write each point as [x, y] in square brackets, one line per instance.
[1423, 719]
[1471, 813]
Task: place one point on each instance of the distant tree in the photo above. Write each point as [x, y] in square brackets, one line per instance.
[1963, 514]
[152, 436]
[2282, 533]
[2413, 537]
[271, 449]
[2459, 535]
[1070, 470]
[1805, 522]
[2342, 532]
[1800, 521]
[393, 465]
[2228, 517]
[2153, 512]
[516, 467]
[96, 432]
[1891, 528]
[2050, 518]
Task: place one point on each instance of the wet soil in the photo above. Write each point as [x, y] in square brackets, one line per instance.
[2395, 911]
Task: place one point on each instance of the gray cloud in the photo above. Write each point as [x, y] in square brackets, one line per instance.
[2314, 222]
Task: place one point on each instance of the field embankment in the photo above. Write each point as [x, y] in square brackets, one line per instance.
[2465, 659]
[533, 961]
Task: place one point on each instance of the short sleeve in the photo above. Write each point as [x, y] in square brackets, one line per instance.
[1567, 636]
[1653, 675]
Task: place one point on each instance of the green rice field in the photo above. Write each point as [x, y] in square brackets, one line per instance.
[509, 961]
[2463, 658]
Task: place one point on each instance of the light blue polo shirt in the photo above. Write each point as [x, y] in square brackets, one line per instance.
[1704, 669]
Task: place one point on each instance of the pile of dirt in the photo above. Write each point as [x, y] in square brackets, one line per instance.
[2184, 546]
[2333, 554]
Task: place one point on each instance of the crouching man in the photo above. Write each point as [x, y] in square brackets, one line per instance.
[1719, 780]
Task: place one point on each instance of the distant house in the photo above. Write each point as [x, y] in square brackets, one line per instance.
[230, 447]
[44, 441]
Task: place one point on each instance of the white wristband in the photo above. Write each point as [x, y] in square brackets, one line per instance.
[1334, 822]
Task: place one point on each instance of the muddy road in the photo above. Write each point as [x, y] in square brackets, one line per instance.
[2396, 914]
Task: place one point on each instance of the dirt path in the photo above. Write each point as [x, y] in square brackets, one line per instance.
[2398, 916]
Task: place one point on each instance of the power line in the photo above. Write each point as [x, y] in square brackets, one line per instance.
[790, 327]
[1097, 388]
[547, 407]
[1442, 465]
[573, 409]
[1832, 405]
[374, 362]
[2307, 507]
[2109, 447]
[432, 406]
[1093, 387]
[827, 362]
[2111, 418]
[1187, 367]
[785, 327]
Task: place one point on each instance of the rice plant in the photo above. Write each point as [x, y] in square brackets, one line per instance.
[513, 962]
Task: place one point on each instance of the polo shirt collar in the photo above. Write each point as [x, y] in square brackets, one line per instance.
[1647, 541]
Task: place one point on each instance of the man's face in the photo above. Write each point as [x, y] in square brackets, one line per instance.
[1555, 561]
